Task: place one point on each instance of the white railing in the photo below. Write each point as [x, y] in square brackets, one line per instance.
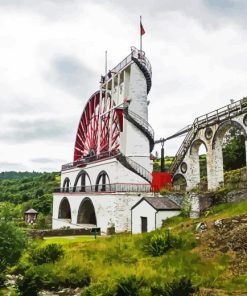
[88, 159]
[115, 187]
[135, 53]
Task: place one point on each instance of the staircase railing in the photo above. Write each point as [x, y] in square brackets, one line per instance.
[140, 56]
[142, 124]
[134, 167]
[217, 116]
[183, 148]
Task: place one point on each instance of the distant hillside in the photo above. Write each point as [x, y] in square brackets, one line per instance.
[33, 190]
[18, 175]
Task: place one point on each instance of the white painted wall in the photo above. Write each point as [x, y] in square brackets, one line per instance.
[163, 215]
[109, 208]
[144, 209]
[116, 171]
[138, 92]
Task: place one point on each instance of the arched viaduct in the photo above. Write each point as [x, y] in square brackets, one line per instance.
[208, 130]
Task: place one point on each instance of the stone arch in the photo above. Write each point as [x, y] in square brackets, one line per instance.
[179, 182]
[84, 177]
[86, 212]
[196, 168]
[66, 184]
[64, 211]
[223, 128]
[217, 145]
[102, 181]
[194, 148]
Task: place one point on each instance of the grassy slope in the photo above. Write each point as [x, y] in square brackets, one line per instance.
[108, 259]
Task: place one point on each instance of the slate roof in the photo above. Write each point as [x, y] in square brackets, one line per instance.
[159, 203]
[31, 211]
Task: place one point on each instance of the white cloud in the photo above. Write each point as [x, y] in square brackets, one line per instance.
[52, 55]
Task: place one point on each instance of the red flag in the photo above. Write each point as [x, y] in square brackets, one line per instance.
[142, 29]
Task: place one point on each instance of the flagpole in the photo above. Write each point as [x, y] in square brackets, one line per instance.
[140, 33]
[105, 62]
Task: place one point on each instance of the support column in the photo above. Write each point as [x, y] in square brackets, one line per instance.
[210, 169]
[162, 158]
[218, 166]
[111, 112]
[193, 173]
[246, 153]
[99, 121]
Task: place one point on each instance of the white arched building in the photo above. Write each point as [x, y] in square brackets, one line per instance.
[112, 167]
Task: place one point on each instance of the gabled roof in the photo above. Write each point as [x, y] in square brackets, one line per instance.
[159, 203]
[31, 211]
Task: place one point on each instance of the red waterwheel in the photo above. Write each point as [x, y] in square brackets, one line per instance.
[91, 127]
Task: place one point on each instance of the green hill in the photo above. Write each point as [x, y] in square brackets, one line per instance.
[21, 191]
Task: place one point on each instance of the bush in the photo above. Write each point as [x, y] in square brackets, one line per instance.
[50, 277]
[2, 280]
[99, 289]
[73, 277]
[182, 287]
[157, 244]
[50, 253]
[129, 286]
[12, 243]
[29, 284]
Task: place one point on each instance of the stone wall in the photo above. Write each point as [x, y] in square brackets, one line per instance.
[201, 202]
[59, 232]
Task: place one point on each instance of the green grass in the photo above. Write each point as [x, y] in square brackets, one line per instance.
[108, 259]
[64, 240]
[228, 210]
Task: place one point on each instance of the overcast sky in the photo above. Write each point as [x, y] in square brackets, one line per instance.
[52, 55]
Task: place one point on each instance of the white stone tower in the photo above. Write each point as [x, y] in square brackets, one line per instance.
[112, 166]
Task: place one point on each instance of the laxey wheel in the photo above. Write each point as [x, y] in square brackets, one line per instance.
[86, 143]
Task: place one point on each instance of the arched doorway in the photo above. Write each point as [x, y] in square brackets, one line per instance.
[102, 182]
[86, 212]
[82, 182]
[66, 184]
[179, 182]
[64, 209]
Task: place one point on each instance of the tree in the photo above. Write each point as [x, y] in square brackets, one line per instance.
[8, 211]
[12, 243]
[234, 155]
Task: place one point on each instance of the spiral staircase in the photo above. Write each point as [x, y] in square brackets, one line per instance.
[134, 167]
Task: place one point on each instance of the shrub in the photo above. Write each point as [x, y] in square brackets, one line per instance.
[47, 254]
[12, 243]
[99, 289]
[29, 284]
[129, 286]
[73, 277]
[186, 206]
[157, 244]
[51, 277]
[2, 280]
[182, 287]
